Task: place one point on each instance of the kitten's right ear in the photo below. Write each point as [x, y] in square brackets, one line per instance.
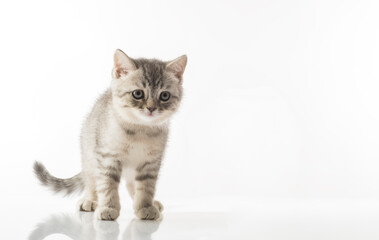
[177, 66]
[122, 64]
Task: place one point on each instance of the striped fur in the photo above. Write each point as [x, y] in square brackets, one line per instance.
[123, 137]
[66, 186]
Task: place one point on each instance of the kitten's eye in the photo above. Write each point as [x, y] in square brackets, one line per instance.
[138, 94]
[165, 96]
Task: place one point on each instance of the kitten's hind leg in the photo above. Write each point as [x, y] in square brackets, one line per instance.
[87, 205]
[89, 202]
[158, 205]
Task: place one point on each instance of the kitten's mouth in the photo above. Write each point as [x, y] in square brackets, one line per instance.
[150, 114]
[149, 117]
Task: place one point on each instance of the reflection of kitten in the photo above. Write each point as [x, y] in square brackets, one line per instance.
[83, 227]
[125, 135]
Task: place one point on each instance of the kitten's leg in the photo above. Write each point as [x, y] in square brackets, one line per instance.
[89, 202]
[158, 205]
[107, 181]
[130, 185]
[144, 205]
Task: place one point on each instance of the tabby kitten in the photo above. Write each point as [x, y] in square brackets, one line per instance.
[125, 136]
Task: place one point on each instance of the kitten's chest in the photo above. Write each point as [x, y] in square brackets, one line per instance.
[136, 153]
[134, 148]
[142, 151]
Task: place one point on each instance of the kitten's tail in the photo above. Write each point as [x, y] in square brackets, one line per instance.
[68, 185]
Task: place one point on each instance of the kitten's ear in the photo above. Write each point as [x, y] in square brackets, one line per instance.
[122, 64]
[177, 66]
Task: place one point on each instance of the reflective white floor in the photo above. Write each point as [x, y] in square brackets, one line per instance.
[237, 218]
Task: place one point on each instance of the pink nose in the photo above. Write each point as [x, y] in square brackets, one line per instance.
[151, 109]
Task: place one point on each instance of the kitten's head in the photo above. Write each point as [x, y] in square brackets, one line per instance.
[146, 91]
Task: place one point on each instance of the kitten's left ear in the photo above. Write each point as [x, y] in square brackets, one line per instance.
[177, 66]
[122, 63]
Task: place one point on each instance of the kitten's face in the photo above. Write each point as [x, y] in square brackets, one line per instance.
[147, 92]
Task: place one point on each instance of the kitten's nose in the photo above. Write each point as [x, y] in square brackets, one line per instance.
[151, 109]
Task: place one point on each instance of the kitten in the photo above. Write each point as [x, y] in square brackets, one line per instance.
[125, 135]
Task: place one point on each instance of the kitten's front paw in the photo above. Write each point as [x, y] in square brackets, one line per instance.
[148, 213]
[106, 213]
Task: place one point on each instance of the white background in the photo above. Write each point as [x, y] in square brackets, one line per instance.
[281, 97]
